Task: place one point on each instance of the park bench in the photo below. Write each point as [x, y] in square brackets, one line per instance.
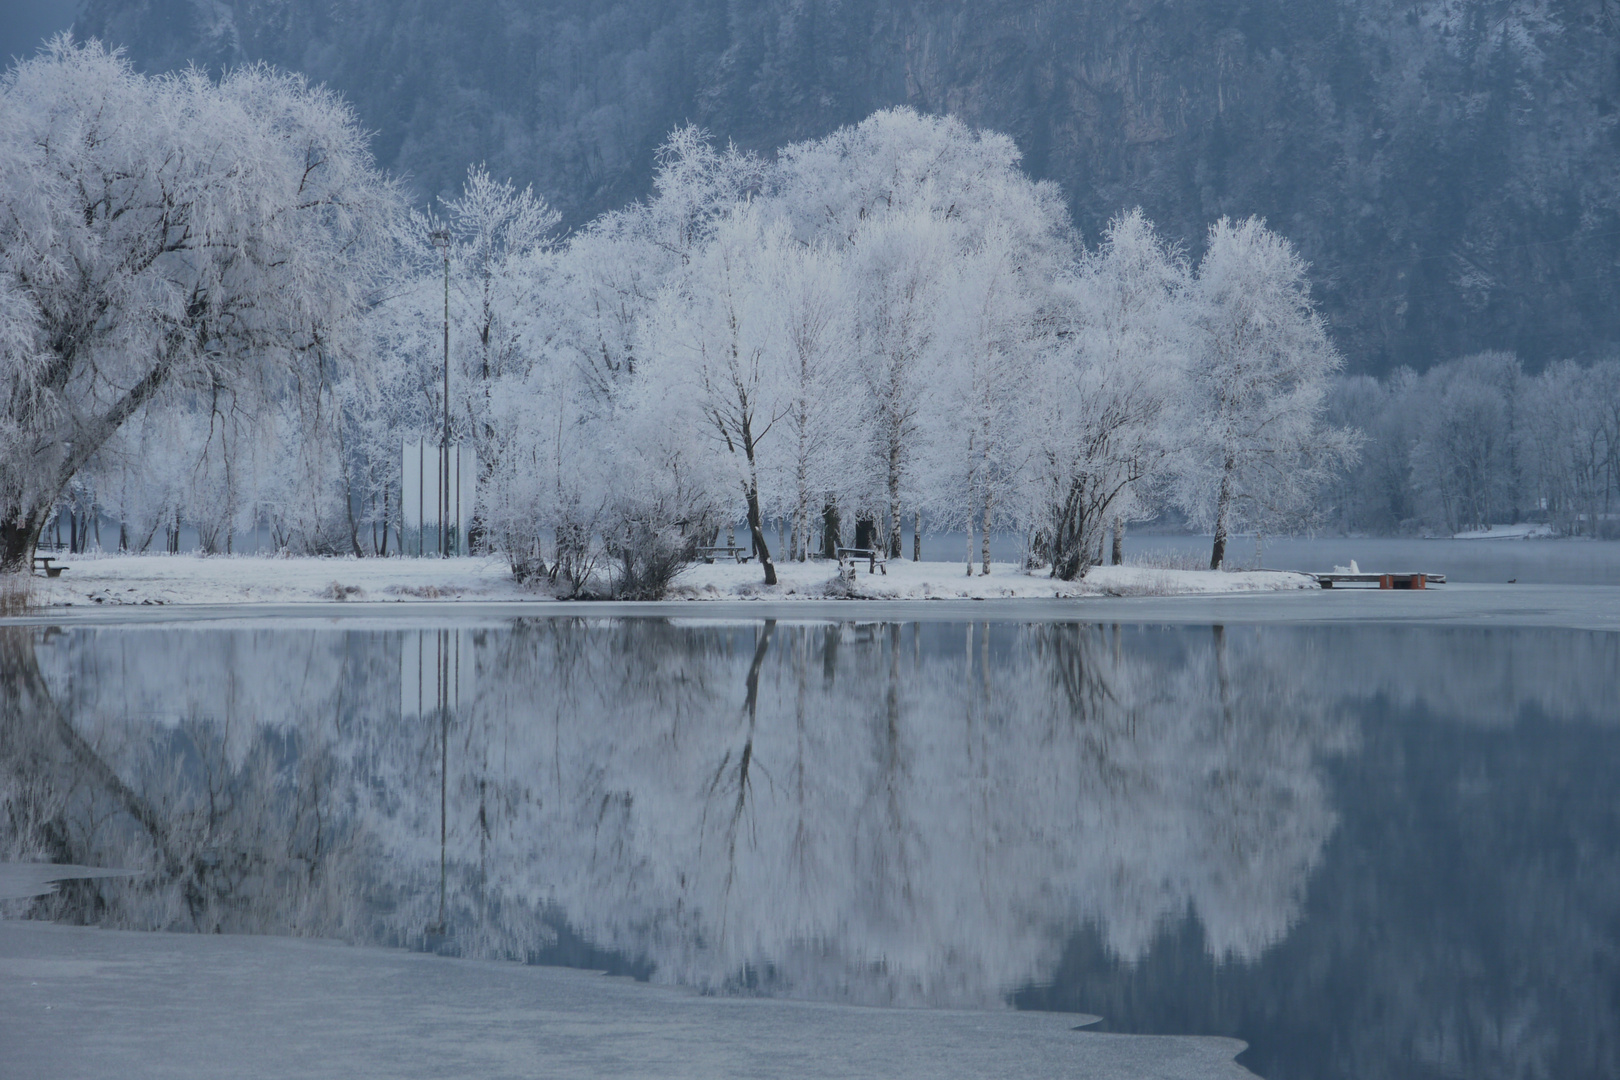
[43, 562]
[725, 551]
[875, 560]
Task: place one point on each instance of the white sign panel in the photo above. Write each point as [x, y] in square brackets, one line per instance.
[435, 672]
[424, 470]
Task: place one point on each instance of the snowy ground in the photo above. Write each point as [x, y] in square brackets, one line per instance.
[77, 1001]
[906, 580]
[1508, 532]
[112, 580]
[119, 580]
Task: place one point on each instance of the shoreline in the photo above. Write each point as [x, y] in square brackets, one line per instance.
[121, 581]
[1569, 607]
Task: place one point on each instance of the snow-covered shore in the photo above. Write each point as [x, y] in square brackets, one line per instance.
[119, 580]
[949, 581]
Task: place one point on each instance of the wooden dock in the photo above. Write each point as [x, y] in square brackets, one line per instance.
[1383, 581]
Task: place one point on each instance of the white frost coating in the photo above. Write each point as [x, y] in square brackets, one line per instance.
[181, 264]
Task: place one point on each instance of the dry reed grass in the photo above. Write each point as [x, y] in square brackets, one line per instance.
[1167, 559]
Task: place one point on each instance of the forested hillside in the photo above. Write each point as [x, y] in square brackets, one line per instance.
[1448, 167]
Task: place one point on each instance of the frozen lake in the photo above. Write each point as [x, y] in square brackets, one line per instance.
[1364, 848]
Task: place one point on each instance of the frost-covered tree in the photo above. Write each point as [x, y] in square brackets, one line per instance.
[900, 264]
[165, 235]
[984, 382]
[1476, 441]
[500, 265]
[1465, 460]
[596, 470]
[718, 335]
[905, 195]
[1102, 436]
[812, 335]
[1257, 449]
[1568, 444]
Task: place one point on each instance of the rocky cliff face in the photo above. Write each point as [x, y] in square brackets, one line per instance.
[1449, 166]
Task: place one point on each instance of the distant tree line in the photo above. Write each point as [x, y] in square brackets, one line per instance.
[1477, 442]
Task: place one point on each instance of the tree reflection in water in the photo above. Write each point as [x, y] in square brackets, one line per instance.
[1368, 850]
[858, 812]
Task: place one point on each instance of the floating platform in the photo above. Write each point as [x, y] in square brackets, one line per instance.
[1383, 581]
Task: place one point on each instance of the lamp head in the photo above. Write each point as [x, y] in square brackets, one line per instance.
[440, 238]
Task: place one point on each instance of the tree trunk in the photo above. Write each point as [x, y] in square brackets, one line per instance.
[18, 539]
[1223, 510]
[970, 541]
[756, 526]
[1119, 541]
[984, 537]
[1069, 552]
[892, 545]
[916, 539]
[831, 526]
[354, 523]
[756, 529]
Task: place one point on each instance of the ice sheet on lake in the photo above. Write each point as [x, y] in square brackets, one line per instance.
[19, 881]
[82, 1002]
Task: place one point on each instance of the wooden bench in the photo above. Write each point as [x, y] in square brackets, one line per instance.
[875, 560]
[1383, 581]
[43, 562]
[727, 551]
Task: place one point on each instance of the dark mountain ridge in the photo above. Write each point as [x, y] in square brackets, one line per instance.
[1448, 166]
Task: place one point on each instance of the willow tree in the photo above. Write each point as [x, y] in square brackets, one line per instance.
[160, 236]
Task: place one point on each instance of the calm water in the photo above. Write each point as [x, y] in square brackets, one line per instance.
[1370, 851]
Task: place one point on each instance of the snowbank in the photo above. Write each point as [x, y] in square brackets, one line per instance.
[117, 580]
[949, 581]
[1508, 532]
[113, 580]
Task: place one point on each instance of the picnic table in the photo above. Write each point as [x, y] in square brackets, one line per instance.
[875, 560]
[727, 551]
[43, 562]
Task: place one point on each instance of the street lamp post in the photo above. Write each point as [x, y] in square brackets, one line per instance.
[441, 240]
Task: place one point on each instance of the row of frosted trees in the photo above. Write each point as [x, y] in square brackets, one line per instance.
[1477, 442]
[215, 312]
[890, 328]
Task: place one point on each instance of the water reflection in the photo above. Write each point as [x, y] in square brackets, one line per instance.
[886, 813]
[943, 814]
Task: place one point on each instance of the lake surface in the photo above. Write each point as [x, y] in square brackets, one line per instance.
[1367, 850]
